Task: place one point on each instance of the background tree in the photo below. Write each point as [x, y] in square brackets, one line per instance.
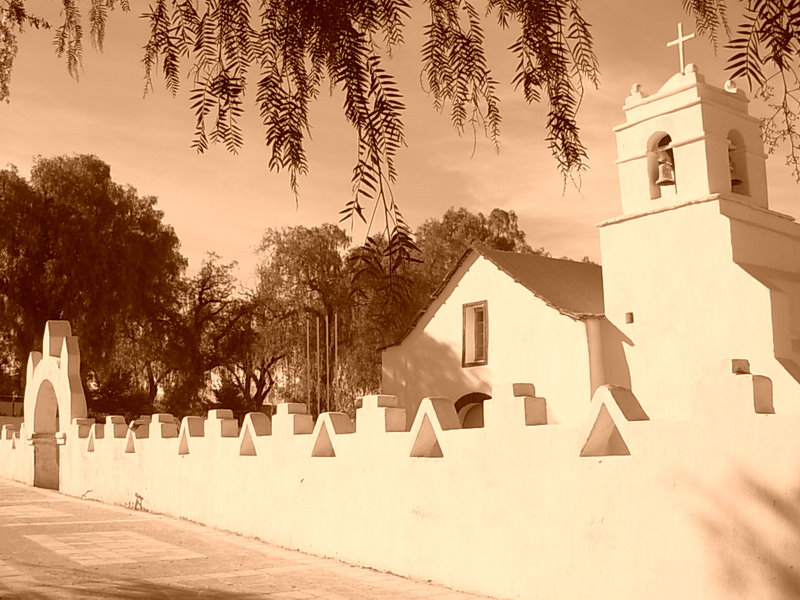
[254, 351]
[303, 278]
[311, 275]
[75, 245]
[9, 382]
[199, 336]
[443, 241]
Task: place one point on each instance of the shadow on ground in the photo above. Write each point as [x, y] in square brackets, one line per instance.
[53, 583]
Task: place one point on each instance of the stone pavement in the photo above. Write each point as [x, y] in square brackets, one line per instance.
[55, 546]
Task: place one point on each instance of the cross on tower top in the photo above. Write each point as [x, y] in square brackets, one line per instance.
[679, 42]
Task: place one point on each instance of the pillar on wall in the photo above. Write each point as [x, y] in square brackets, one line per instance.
[380, 414]
[514, 405]
[292, 418]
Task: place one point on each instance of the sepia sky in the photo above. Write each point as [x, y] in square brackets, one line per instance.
[222, 203]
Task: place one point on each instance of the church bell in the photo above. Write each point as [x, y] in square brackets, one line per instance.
[666, 169]
[665, 175]
[666, 164]
[735, 179]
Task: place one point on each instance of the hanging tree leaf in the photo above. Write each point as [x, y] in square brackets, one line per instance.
[289, 48]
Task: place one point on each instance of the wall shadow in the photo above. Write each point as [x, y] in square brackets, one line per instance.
[435, 370]
[615, 361]
[753, 532]
[784, 293]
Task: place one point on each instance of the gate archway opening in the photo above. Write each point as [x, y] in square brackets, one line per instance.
[54, 399]
[46, 472]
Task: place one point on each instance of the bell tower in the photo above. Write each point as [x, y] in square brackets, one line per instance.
[697, 270]
[688, 141]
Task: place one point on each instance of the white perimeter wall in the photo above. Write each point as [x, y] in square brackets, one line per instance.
[707, 507]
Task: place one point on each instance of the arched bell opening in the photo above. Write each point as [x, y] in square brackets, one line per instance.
[737, 163]
[660, 165]
[470, 409]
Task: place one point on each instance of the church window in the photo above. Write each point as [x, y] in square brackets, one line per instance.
[475, 340]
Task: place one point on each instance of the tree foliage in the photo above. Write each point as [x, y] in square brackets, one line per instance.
[300, 282]
[302, 267]
[14, 17]
[199, 335]
[303, 282]
[253, 352]
[442, 241]
[289, 49]
[765, 51]
[75, 245]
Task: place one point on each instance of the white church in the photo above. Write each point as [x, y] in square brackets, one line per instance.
[548, 430]
[696, 268]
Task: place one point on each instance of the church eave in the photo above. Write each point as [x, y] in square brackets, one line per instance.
[729, 197]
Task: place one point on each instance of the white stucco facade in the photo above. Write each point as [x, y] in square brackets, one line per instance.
[521, 331]
[706, 270]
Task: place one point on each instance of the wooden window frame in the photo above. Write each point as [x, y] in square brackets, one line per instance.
[468, 323]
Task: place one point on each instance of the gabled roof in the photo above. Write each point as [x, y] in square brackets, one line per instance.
[574, 289]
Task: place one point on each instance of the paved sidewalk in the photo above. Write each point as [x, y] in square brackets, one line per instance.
[55, 546]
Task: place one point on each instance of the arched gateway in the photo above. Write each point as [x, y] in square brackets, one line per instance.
[53, 397]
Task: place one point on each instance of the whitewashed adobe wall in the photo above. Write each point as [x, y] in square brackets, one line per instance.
[701, 508]
[527, 341]
[716, 296]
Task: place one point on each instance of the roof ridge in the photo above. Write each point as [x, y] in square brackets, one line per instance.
[485, 249]
[580, 297]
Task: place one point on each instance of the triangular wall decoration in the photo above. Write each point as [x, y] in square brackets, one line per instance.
[90, 443]
[426, 445]
[129, 445]
[254, 425]
[247, 447]
[183, 443]
[604, 438]
[191, 426]
[323, 446]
